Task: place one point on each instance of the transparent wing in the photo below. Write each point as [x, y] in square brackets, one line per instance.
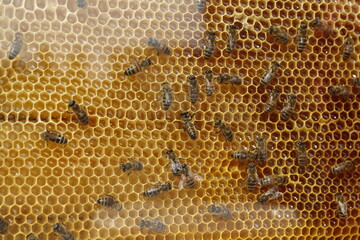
[181, 182]
[195, 176]
[343, 207]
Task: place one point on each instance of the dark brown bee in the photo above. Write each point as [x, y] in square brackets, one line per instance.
[31, 236]
[224, 129]
[227, 78]
[288, 109]
[132, 165]
[167, 95]
[220, 210]
[347, 48]
[110, 202]
[157, 189]
[200, 5]
[232, 37]
[243, 156]
[210, 45]
[187, 125]
[322, 26]
[53, 137]
[188, 178]
[340, 91]
[341, 209]
[175, 165]
[272, 101]
[209, 83]
[80, 112]
[269, 74]
[279, 34]
[343, 167]
[193, 89]
[271, 194]
[16, 46]
[159, 46]
[252, 179]
[81, 3]
[138, 66]
[4, 226]
[274, 180]
[262, 151]
[301, 154]
[301, 37]
[61, 231]
[153, 224]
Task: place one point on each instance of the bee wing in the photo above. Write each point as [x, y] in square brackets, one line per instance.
[83, 108]
[343, 207]
[196, 176]
[243, 182]
[257, 179]
[276, 195]
[181, 182]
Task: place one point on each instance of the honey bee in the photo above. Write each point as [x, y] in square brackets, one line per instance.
[252, 179]
[301, 154]
[232, 37]
[157, 189]
[210, 45]
[209, 83]
[288, 109]
[322, 26]
[80, 112]
[16, 45]
[340, 91]
[4, 226]
[167, 95]
[224, 129]
[220, 210]
[200, 5]
[227, 78]
[301, 37]
[348, 48]
[159, 46]
[269, 74]
[110, 202]
[193, 89]
[271, 194]
[271, 103]
[138, 66]
[279, 34]
[342, 167]
[341, 205]
[60, 230]
[187, 125]
[153, 224]
[261, 146]
[188, 178]
[131, 166]
[81, 3]
[357, 82]
[274, 180]
[31, 236]
[243, 156]
[175, 165]
[53, 137]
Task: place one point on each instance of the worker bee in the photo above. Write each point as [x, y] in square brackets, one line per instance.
[209, 83]
[188, 178]
[200, 5]
[288, 109]
[80, 112]
[16, 45]
[279, 34]
[81, 3]
[4, 226]
[193, 89]
[53, 137]
[138, 66]
[252, 179]
[269, 74]
[357, 82]
[262, 151]
[110, 202]
[132, 165]
[157, 189]
[167, 95]
[272, 101]
[348, 48]
[274, 180]
[341, 205]
[159, 46]
[301, 154]
[322, 26]
[342, 167]
[227, 78]
[243, 156]
[220, 210]
[224, 129]
[153, 224]
[232, 37]
[340, 91]
[210, 45]
[175, 165]
[271, 194]
[187, 125]
[61, 231]
[301, 37]
[31, 236]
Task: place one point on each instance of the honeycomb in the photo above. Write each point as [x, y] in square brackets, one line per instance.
[81, 54]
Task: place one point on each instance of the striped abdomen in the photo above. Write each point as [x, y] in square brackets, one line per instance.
[16, 46]
[342, 167]
[210, 45]
[152, 192]
[53, 137]
[110, 202]
[31, 236]
[189, 128]
[289, 108]
[80, 112]
[138, 67]
[301, 154]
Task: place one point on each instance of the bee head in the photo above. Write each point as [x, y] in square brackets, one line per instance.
[261, 199]
[123, 167]
[300, 143]
[208, 71]
[315, 22]
[168, 186]
[211, 33]
[217, 122]
[184, 114]
[72, 103]
[169, 151]
[272, 29]
[292, 97]
[251, 165]
[211, 208]
[142, 223]
[337, 194]
[276, 64]
[276, 90]
[192, 77]
[164, 84]
[151, 41]
[148, 60]
[303, 26]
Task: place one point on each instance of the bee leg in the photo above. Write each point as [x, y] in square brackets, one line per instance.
[129, 173]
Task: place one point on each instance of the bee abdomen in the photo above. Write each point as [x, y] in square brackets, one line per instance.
[83, 118]
[60, 139]
[346, 55]
[208, 52]
[302, 160]
[4, 225]
[152, 192]
[302, 45]
[285, 114]
[132, 70]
